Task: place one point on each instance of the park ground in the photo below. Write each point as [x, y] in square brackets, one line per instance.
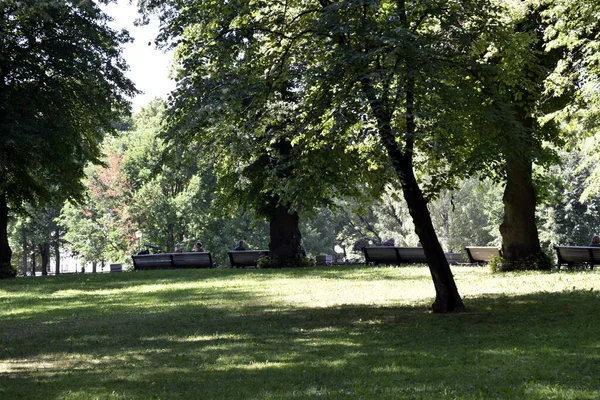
[341, 332]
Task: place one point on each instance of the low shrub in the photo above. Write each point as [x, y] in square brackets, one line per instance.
[300, 261]
[538, 262]
[7, 271]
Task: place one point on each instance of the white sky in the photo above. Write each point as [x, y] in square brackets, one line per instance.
[148, 67]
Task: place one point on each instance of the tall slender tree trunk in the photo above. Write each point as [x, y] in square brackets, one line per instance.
[57, 252]
[45, 256]
[447, 298]
[5, 251]
[25, 250]
[33, 265]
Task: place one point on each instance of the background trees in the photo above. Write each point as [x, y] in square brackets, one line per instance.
[55, 107]
[332, 111]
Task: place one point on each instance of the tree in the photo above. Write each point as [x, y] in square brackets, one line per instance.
[363, 76]
[248, 130]
[62, 84]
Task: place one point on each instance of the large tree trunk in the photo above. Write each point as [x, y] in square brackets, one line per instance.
[518, 229]
[6, 270]
[285, 236]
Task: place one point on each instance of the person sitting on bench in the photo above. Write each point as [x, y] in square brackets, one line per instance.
[241, 246]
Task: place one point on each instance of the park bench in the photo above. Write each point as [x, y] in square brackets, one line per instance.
[482, 255]
[116, 267]
[577, 255]
[246, 258]
[455, 258]
[324, 259]
[172, 261]
[402, 255]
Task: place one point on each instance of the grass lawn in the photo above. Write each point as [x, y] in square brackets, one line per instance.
[325, 332]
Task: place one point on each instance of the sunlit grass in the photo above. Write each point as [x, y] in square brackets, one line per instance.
[335, 333]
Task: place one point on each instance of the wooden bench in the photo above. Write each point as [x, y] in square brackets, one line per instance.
[324, 259]
[402, 255]
[246, 258]
[172, 261]
[455, 258]
[574, 255]
[116, 267]
[482, 255]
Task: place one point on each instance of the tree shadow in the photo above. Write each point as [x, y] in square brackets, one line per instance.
[203, 347]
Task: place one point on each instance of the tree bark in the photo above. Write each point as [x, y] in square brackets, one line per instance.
[33, 265]
[5, 251]
[518, 229]
[25, 250]
[284, 231]
[447, 298]
[57, 252]
[45, 256]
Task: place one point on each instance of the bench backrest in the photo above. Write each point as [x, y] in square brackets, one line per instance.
[192, 260]
[454, 258]
[411, 255]
[152, 261]
[381, 255]
[402, 255]
[172, 260]
[394, 255]
[482, 254]
[246, 258]
[324, 259]
[578, 254]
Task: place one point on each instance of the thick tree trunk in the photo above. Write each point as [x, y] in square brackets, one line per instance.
[518, 229]
[285, 236]
[5, 251]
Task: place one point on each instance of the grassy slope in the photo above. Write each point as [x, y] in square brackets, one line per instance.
[332, 333]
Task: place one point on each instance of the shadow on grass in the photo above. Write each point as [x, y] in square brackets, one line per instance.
[197, 345]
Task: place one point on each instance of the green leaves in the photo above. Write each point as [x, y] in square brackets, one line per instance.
[63, 85]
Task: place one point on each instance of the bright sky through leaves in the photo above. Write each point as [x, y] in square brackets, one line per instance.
[149, 66]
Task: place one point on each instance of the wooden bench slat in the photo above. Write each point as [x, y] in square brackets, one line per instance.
[402, 255]
[246, 258]
[482, 254]
[172, 261]
[571, 255]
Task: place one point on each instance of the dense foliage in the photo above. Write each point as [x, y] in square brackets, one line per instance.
[62, 85]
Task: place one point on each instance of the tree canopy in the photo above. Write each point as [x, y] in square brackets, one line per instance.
[62, 86]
